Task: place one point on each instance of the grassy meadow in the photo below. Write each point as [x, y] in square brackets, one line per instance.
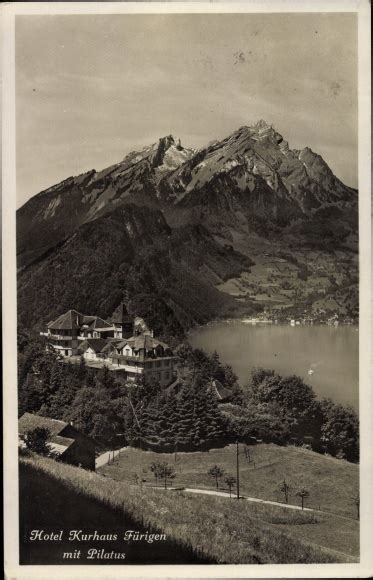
[51, 504]
[332, 483]
[207, 528]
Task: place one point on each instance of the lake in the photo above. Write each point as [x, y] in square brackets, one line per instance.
[331, 352]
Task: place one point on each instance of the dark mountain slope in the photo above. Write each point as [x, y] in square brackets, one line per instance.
[131, 250]
[54, 214]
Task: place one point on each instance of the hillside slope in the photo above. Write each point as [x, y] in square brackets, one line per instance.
[43, 501]
[260, 478]
[54, 214]
[131, 250]
[206, 527]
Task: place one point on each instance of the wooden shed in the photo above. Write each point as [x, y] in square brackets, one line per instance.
[66, 441]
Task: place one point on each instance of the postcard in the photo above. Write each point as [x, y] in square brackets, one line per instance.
[186, 297]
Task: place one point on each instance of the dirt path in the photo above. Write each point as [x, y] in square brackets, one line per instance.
[267, 502]
[253, 499]
[104, 458]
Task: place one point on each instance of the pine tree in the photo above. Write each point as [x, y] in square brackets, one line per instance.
[81, 370]
[186, 410]
[29, 398]
[214, 421]
[152, 425]
[55, 379]
[165, 429]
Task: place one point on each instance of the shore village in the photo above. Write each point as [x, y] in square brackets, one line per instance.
[124, 345]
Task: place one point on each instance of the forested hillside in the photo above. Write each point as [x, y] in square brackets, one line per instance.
[187, 415]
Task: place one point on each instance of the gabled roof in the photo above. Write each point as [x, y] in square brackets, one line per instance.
[122, 315]
[142, 341]
[148, 342]
[222, 393]
[109, 347]
[124, 341]
[60, 444]
[96, 344]
[87, 319]
[29, 421]
[95, 322]
[114, 341]
[70, 320]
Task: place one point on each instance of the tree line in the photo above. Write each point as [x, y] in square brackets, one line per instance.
[286, 410]
[270, 408]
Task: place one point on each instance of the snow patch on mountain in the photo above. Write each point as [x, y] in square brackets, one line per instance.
[173, 158]
[51, 208]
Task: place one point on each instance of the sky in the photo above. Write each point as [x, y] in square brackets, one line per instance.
[92, 88]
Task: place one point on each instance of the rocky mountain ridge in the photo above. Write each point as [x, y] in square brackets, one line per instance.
[260, 151]
[203, 216]
[252, 171]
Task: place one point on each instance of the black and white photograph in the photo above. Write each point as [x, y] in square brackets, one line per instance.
[189, 276]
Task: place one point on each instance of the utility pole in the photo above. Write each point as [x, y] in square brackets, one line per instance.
[238, 470]
[134, 413]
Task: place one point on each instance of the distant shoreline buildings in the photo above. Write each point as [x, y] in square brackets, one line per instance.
[125, 345]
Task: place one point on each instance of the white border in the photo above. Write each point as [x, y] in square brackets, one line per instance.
[13, 570]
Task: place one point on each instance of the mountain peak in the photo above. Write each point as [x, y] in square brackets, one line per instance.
[262, 124]
[167, 141]
[170, 140]
[166, 144]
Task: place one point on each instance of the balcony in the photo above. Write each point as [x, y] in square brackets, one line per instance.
[127, 360]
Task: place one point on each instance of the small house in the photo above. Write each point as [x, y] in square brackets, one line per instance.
[66, 441]
[94, 348]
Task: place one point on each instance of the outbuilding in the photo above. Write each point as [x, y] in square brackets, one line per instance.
[66, 441]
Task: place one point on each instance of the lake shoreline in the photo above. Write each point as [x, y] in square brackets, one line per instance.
[324, 355]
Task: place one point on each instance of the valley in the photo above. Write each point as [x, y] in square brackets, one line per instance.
[288, 282]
